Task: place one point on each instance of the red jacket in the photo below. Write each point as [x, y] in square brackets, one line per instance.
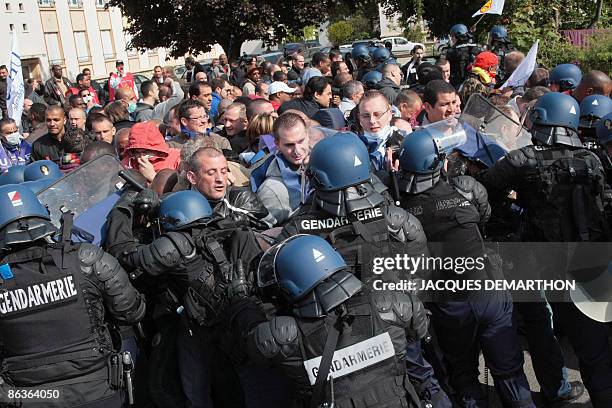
[146, 135]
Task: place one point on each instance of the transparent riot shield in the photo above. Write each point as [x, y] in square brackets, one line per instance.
[83, 188]
[503, 126]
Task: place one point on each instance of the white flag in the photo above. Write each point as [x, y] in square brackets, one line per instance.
[491, 7]
[522, 73]
[15, 89]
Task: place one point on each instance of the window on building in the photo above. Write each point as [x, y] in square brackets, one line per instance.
[21, 7]
[46, 3]
[11, 27]
[107, 44]
[82, 46]
[24, 27]
[7, 6]
[75, 3]
[54, 52]
[101, 3]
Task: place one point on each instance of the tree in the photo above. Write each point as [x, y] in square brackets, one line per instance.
[193, 26]
[340, 32]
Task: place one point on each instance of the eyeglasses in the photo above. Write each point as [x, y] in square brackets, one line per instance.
[373, 115]
[205, 117]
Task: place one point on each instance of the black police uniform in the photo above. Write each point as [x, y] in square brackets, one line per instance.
[560, 190]
[500, 49]
[52, 323]
[362, 235]
[460, 56]
[450, 215]
[374, 324]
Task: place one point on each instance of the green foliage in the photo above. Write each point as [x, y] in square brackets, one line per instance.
[598, 53]
[193, 26]
[307, 33]
[340, 32]
[415, 34]
[525, 27]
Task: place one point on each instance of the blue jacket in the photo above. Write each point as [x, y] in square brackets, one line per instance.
[214, 107]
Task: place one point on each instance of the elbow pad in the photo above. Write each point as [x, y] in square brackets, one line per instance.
[122, 300]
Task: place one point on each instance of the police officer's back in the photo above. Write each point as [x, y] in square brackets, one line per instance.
[52, 308]
[461, 54]
[500, 45]
[329, 309]
[558, 182]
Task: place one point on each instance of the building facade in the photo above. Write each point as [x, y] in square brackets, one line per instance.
[75, 34]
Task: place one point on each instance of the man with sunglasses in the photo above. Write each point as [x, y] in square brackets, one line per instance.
[195, 122]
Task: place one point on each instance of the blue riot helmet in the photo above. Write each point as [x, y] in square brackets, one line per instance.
[459, 31]
[42, 169]
[310, 274]
[566, 76]
[38, 185]
[360, 53]
[339, 171]
[22, 216]
[424, 150]
[498, 33]
[555, 118]
[13, 175]
[380, 55]
[338, 162]
[371, 79]
[593, 108]
[604, 130]
[183, 208]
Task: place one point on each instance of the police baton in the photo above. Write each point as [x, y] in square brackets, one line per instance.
[394, 183]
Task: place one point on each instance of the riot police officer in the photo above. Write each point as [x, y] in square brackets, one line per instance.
[461, 54]
[363, 62]
[604, 139]
[592, 109]
[53, 298]
[450, 213]
[564, 77]
[500, 45]
[352, 210]
[333, 324]
[560, 185]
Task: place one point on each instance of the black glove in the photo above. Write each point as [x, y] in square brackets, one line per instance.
[239, 285]
[146, 200]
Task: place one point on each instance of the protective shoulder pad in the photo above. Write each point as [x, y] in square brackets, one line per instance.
[475, 193]
[393, 307]
[521, 157]
[89, 254]
[183, 242]
[277, 338]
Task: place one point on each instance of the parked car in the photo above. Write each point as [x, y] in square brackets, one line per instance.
[367, 43]
[272, 57]
[292, 48]
[400, 45]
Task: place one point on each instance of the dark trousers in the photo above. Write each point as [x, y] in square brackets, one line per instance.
[484, 320]
[589, 339]
[544, 348]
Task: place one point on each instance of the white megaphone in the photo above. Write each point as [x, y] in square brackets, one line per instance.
[594, 297]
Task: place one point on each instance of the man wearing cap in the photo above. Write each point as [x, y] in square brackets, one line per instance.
[280, 93]
[83, 83]
[120, 79]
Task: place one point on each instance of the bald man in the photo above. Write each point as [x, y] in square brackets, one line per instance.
[390, 84]
[76, 118]
[49, 146]
[593, 83]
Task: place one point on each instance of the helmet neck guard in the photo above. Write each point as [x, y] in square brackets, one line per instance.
[343, 202]
[327, 295]
[25, 230]
[415, 183]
